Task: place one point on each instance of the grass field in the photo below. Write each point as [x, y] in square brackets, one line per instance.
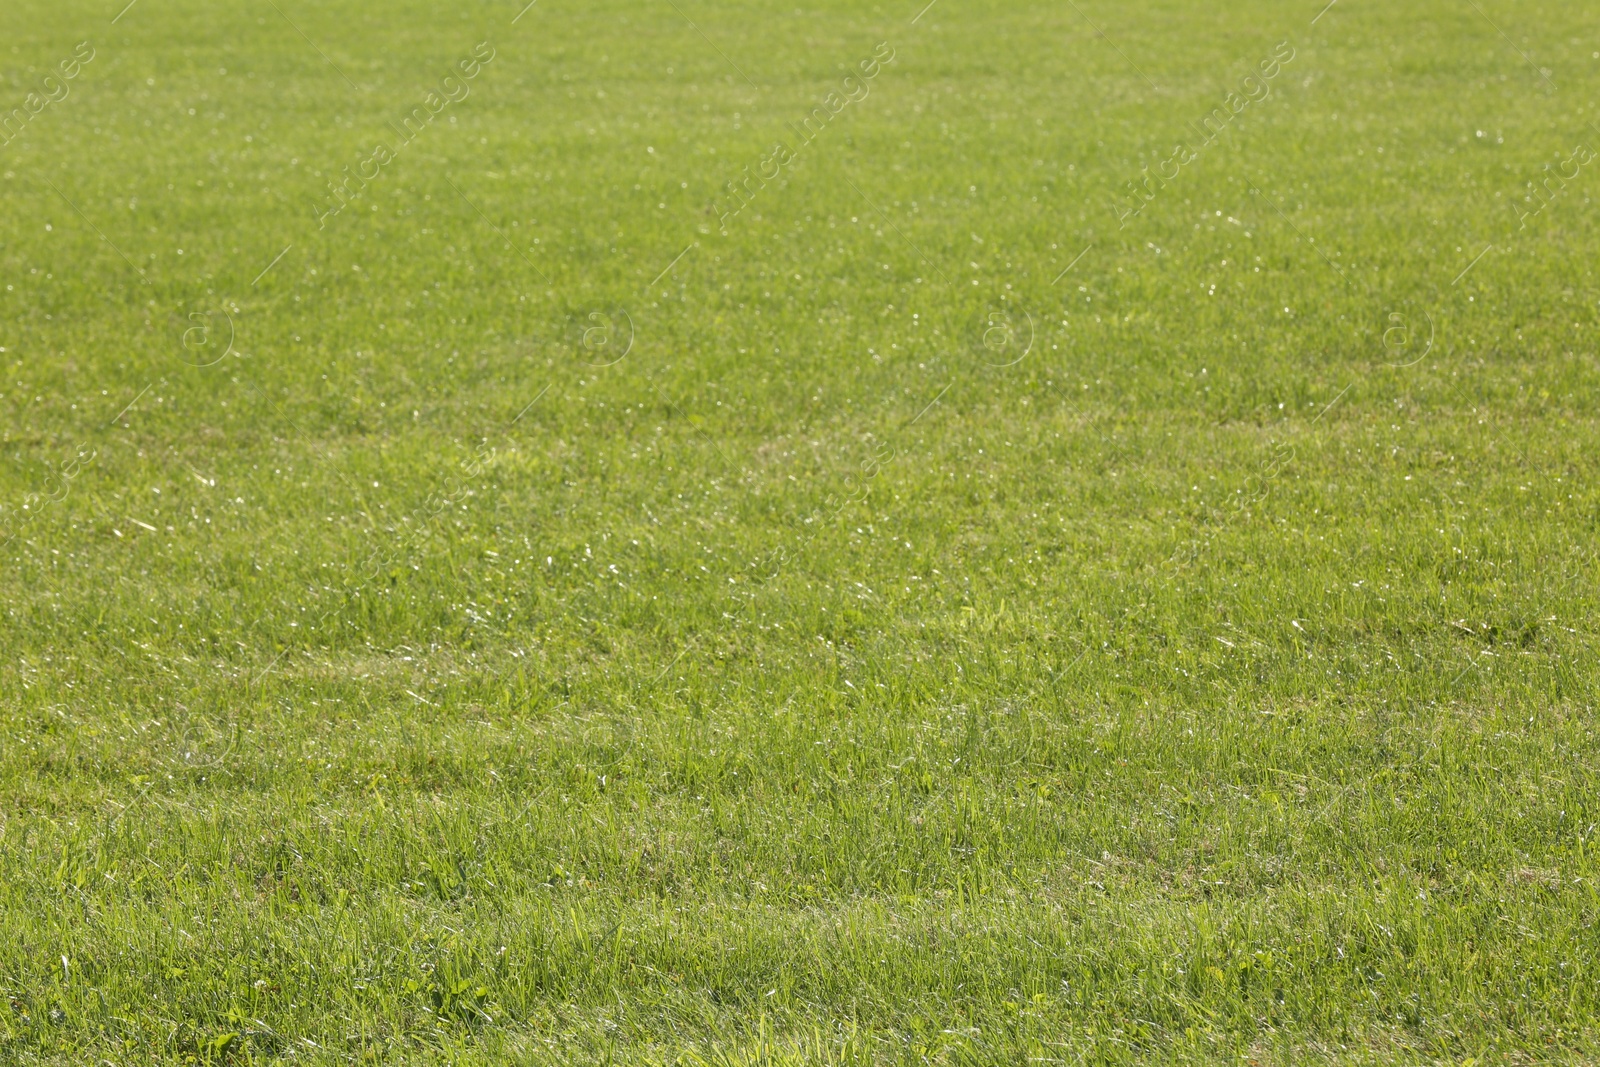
[1087, 554]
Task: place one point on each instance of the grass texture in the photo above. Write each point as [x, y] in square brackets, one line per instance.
[704, 532]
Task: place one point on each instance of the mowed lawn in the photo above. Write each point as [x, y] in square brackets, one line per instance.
[1067, 566]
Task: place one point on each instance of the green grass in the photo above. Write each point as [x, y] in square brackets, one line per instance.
[832, 676]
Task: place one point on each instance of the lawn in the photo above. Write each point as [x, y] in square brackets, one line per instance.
[708, 532]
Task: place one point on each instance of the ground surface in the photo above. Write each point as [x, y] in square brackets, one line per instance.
[933, 614]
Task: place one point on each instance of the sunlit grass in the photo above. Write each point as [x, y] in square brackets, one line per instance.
[539, 613]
